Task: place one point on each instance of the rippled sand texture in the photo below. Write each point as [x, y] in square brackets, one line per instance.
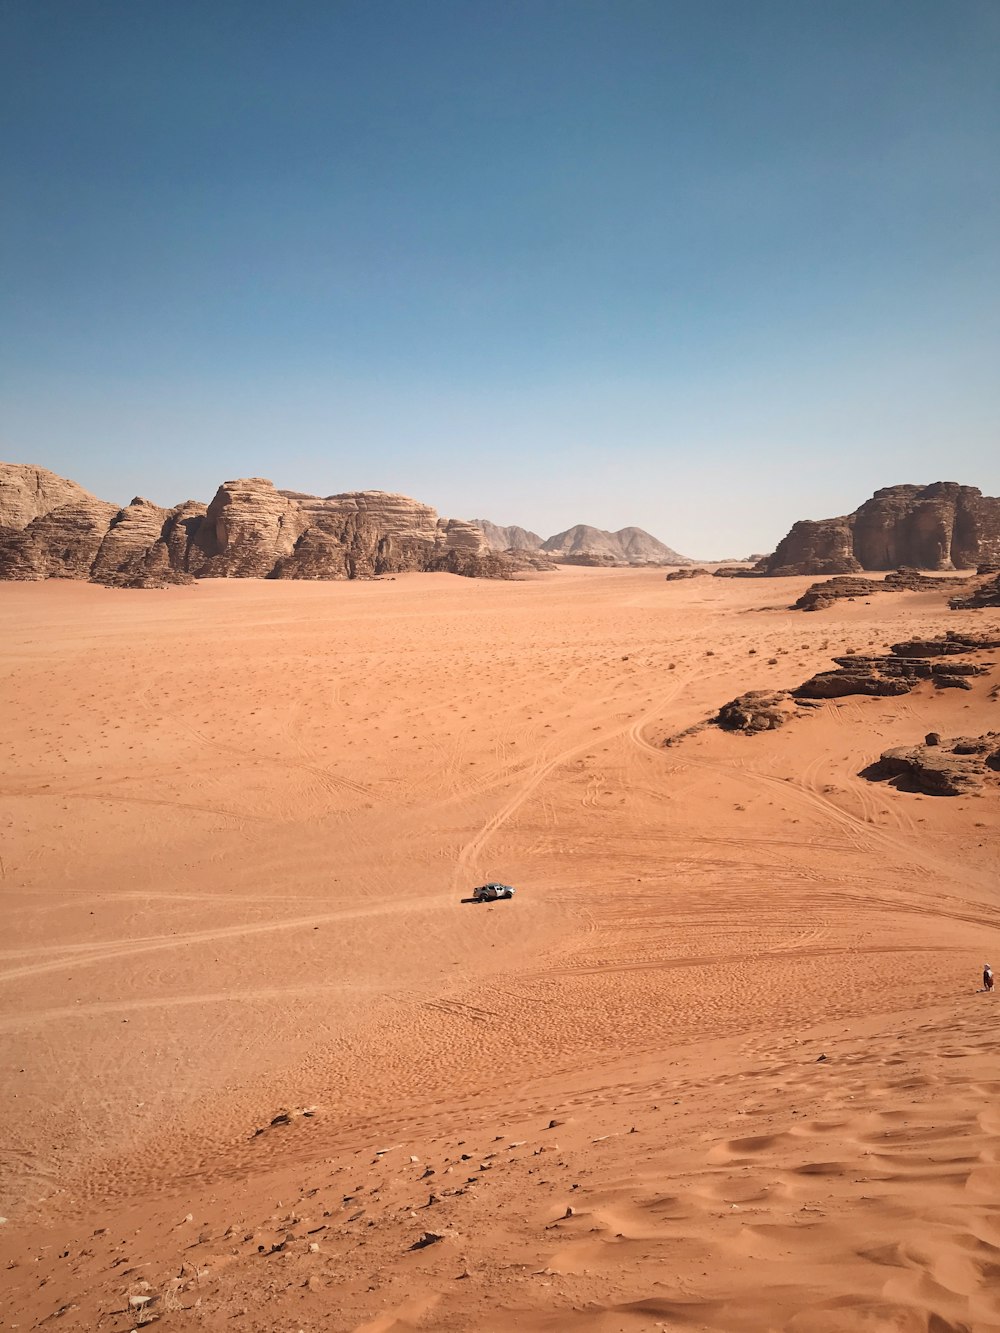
[236, 824]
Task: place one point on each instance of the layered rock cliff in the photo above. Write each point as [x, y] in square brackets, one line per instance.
[52, 528]
[49, 527]
[28, 492]
[941, 526]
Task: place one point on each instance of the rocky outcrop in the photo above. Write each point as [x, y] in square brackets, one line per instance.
[899, 671]
[821, 546]
[984, 596]
[250, 530]
[894, 673]
[842, 587]
[939, 768]
[850, 586]
[903, 667]
[694, 572]
[61, 543]
[28, 492]
[758, 710]
[137, 551]
[367, 533]
[947, 645]
[941, 526]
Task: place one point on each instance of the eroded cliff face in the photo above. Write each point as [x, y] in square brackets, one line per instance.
[28, 492]
[814, 546]
[146, 544]
[52, 528]
[942, 526]
[49, 527]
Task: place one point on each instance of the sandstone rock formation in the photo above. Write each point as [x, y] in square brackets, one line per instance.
[758, 710]
[899, 671]
[693, 572]
[28, 492]
[54, 529]
[939, 768]
[941, 526]
[146, 546]
[984, 595]
[947, 645]
[821, 595]
[49, 527]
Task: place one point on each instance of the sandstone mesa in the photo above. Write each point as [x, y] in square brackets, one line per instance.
[52, 528]
[941, 526]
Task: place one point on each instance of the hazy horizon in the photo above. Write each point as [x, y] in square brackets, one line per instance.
[701, 268]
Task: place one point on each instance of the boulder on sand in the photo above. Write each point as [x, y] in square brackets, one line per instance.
[757, 710]
[939, 768]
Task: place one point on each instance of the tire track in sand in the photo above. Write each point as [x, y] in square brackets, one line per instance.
[866, 838]
[25, 1021]
[112, 951]
[540, 771]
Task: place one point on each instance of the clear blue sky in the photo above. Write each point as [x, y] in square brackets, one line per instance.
[705, 266]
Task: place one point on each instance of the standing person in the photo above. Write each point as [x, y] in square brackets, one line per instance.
[987, 977]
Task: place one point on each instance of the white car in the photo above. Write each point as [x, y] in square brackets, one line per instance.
[491, 893]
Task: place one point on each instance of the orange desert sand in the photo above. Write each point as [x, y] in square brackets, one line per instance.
[237, 821]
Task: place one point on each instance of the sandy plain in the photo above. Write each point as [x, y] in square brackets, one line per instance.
[236, 824]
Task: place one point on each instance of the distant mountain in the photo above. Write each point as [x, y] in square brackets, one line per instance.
[52, 528]
[628, 546]
[507, 539]
[641, 547]
[584, 545]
